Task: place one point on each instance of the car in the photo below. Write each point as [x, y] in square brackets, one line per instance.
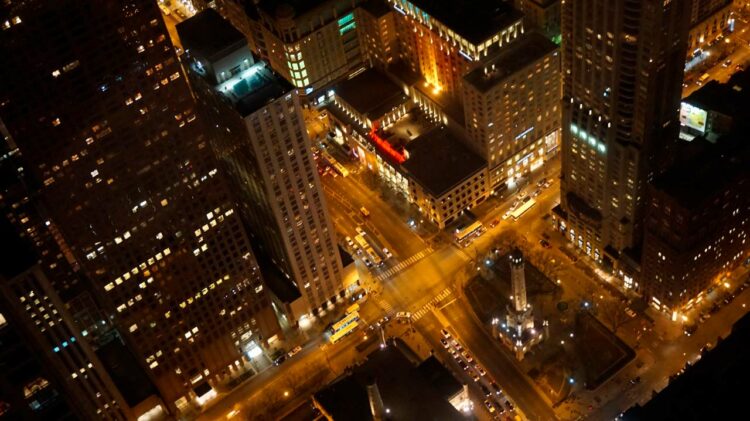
[294, 351]
[445, 333]
[541, 183]
[475, 376]
[738, 68]
[454, 343]
[486, 391]
[496, 388]
[403, 315]
[387, 253]
[180, 13]
[544, 243]
[367, 261]
[457, 357]
[444, 342]
[360, 231]
[453, 352]
[727, 63]
[280, 359]
[459, 348]
[514, 204]
[490, 406]
[468, 356]
[481, 371]
[509, 405]
[506, 215]
[525, 199]
[349, 241]
[536, 193]
[494, 223]
[629, 312]
[635, 380]
[463, 365]
[363, 210]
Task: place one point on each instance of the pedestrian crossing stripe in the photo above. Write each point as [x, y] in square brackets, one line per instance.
[431, 304]
[404, 264]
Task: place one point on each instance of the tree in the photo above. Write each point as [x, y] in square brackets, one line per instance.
[613, 314]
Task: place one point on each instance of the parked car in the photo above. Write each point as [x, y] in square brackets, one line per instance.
[494, 223]
[544, 243]
[444, 342]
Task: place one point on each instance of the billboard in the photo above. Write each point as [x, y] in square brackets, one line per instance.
[693, 117]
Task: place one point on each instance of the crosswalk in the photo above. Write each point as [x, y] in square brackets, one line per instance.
[403, 264]
[431, 304]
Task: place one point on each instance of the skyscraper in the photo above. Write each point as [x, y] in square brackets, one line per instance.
[95, 99]
[261, 138]
[622, 75]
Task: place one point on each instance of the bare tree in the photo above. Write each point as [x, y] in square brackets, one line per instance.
[613, 314]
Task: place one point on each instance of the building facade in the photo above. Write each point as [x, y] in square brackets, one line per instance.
[443, 40]
[622, 67]
[697, 224]
[543, 15]
[708, 20]
[512, 107]
[262, 141]
[309, 43]
[133, 188]
[378, 34]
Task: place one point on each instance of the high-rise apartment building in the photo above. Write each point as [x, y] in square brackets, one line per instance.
[262, 140]
[697, 223]
[378, 36]
[308, 42]
[442, 40]
[96, 101]
[42, 322]
[543, 15]
[622, 67]
[512, 107]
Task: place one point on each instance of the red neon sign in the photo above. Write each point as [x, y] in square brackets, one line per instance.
[385, 146]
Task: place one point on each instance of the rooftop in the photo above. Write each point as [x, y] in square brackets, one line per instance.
[438, 161]
[376, 8]
[731, 98]
[371, 93]
[209, 35]
[506, 61]
[704, 169]
[713, 388]
[474, 20]
[410, 392]
[289, 8]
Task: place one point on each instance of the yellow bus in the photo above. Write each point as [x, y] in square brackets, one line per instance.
[463, 233]
[353, 308]
[349, 328]
[345, 321]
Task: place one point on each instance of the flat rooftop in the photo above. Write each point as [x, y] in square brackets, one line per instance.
[208, 35]
[704, 169]
[254, 87]
[510, 59]
[376, 8]
[474, 20]
[438, 161]
[289, 8]
[731, 98]
[409, 391]
[371, 93]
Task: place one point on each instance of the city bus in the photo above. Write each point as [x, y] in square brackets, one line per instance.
[344, 331]
[344, 326]
[334, 163]
[522, 209]
[462, 234]
[353, 308]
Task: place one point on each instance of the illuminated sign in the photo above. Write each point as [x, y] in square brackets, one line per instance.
[693, 117]
[385, 146]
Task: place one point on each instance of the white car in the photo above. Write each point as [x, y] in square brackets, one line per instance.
[387, 253]
[349, 241]
[360, 231]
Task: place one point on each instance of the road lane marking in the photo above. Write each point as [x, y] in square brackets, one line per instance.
[404, 264]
